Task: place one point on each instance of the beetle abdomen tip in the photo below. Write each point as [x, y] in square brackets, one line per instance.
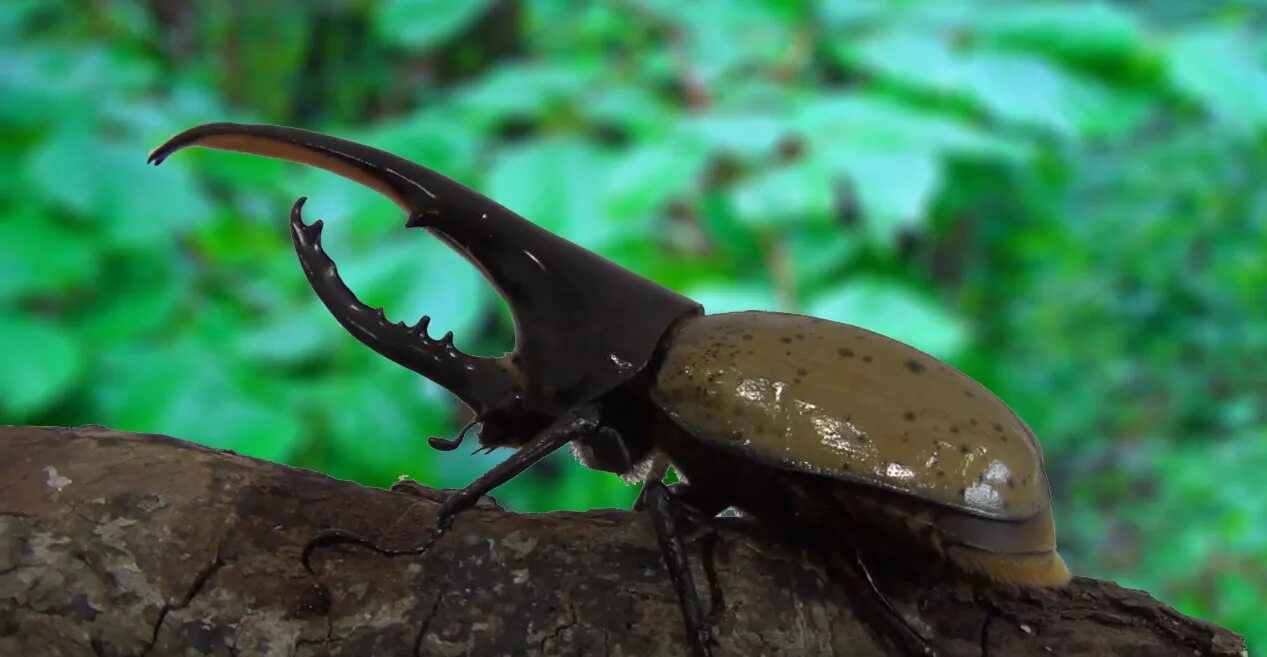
[1045, 569]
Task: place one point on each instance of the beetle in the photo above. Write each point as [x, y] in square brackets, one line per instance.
[819, 429]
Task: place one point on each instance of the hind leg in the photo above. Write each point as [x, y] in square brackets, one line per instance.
[671, 509]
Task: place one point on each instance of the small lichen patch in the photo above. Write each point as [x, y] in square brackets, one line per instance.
[54, 480]
[519, 543]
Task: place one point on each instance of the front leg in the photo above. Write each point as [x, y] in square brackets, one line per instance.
[669, 509]
[568, 428]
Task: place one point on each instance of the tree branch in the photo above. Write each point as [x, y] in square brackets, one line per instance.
[126, 544]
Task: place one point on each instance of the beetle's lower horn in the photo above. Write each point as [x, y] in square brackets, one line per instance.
[450, 444]
[481, 383]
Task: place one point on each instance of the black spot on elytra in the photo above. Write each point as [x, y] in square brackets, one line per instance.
[799, 336]
[968, 393]
[962, 491]
[800, 371]
[909, 415]
[747, 336]
[914, 365]
[965, 448]
[941, 473]
[954, 429]
[998, 427]
[866, 359]
[785, 340]
[796, 380]
[973, 421]
[845, 352]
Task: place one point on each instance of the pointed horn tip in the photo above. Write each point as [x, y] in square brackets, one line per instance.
[312, 230]
[443, 444]
[180, 140]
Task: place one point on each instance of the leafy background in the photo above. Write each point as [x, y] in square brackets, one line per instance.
[1065, 200]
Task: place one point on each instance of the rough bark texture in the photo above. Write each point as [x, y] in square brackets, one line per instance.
[125, 544]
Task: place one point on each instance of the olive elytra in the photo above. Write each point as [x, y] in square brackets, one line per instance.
[809, 426]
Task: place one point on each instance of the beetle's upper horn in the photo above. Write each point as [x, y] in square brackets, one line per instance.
[583, 324]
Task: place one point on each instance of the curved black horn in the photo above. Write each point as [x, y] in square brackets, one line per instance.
[582, 323]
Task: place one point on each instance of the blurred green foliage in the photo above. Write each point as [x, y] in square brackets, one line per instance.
[1064, 199]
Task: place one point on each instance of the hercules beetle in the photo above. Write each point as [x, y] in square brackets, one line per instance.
[808, 426]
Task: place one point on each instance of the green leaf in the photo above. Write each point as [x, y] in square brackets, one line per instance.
[743, 135]
[720, 37]
[422, 24]
[880, 123]
[1034, 92]
[557, 184]
[718, 297]
[1218, 70]
[26, 242]
[289, 337]
[894, 311]
[895, 188]
[109, 186]
[644, 179]
[382, 402]
[191, 390]
[1084, 30]
[144, 294]
[524, 90]
[630, 108]
[56, 83]
[40, 363]
[818, 252]
[796, 193]
[919, 58]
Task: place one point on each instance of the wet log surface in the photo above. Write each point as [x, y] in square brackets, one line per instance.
[115, 543]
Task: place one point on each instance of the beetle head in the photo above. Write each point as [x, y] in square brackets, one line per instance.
[583, 325]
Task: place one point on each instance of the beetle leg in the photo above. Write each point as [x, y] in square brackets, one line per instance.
[666, 515]
[563, 431]
[894, 625]
[659, 467]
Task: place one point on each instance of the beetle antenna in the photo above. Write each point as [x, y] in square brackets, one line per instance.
[450, 444]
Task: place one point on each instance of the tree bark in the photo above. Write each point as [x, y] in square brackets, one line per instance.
[114, 543]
